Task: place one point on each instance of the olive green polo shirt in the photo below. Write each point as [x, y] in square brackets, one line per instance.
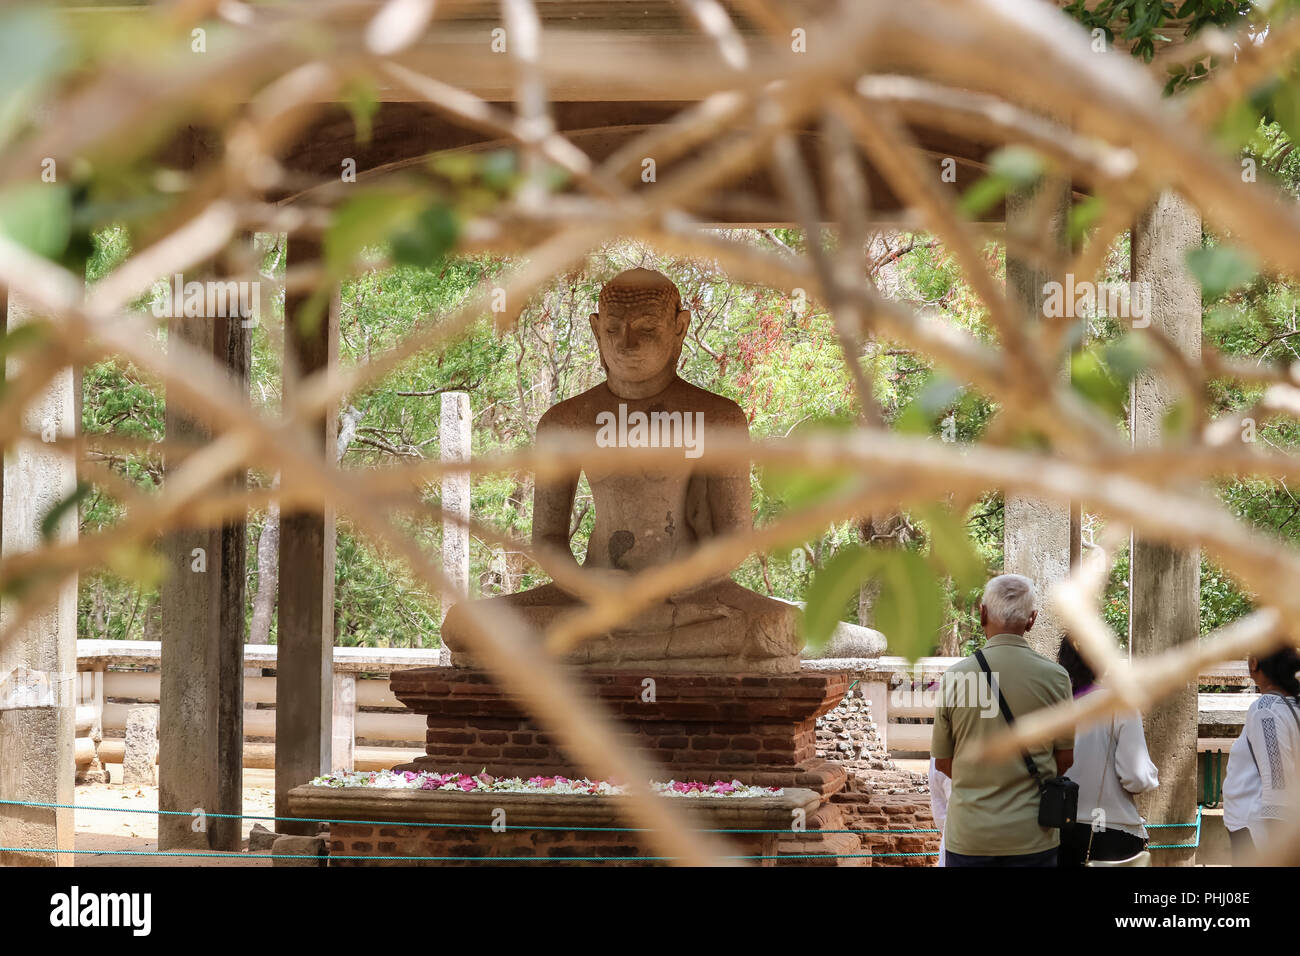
[993, 810]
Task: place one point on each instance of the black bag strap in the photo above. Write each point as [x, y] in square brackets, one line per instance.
[1009, 718]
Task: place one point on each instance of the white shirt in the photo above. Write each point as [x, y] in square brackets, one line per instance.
[1111, 764]
[1263, 786]
[940, 793]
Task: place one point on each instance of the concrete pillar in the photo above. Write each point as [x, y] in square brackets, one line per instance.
[1037, 539]
[201, 699]
[36, 742]
[454, 439]
[234, 343]
[1164, 582]
[305, 661]
[344, 724]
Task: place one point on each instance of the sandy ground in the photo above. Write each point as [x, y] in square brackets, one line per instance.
[110, 829]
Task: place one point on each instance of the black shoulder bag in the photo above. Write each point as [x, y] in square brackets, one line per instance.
[1058, 798]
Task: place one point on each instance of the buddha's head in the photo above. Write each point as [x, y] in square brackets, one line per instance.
[640, 328]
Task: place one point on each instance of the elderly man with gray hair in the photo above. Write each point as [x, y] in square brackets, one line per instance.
[993, 811]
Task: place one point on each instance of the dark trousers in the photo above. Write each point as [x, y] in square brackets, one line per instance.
[1243, 847]
[1106, 845]
[1045, 858]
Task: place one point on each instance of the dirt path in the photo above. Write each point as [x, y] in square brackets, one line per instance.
[110, 829]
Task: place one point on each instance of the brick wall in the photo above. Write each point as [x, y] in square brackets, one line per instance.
[759, 729]
[862, 809]
[483, 846]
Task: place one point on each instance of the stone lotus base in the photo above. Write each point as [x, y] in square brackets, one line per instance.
[471, 840]
[759, 729]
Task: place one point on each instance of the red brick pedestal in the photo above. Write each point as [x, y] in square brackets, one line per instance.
[758, 729]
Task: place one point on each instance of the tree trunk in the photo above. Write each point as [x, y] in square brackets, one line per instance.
[950, 644]
[268, 542]
[268, 576]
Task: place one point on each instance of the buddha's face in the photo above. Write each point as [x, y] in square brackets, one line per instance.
[639, 340]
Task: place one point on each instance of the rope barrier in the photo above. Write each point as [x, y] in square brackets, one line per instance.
[443, 859]
[1179, 846]
[411, 823]
[487, 826]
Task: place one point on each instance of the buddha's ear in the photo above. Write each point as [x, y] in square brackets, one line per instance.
[683, 323]
[593, 319]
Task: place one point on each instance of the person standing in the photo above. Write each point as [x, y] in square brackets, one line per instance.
[1260, 789]
[940, 791]
[993, 810]
[1111, 765]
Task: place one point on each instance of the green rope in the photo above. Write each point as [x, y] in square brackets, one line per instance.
[488, 826]
[408, 823]
[1180, 846]
[446, 859]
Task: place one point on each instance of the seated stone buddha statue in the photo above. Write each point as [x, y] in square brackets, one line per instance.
[648, 517]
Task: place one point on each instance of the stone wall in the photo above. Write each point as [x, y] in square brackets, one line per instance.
[878, 795]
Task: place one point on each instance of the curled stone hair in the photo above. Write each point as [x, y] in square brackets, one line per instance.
[638, 286]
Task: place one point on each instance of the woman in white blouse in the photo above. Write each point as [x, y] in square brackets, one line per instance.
[1260, 790]
[1111, 765]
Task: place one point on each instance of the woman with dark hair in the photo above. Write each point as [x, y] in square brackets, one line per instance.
[1259, 790]
[1111, 764]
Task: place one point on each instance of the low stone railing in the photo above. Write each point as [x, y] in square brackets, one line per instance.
[372, 729]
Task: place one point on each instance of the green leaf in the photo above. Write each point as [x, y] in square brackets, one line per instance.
[26, 336]
[62, 507]
[1020, 166]
[909, 607]
[1286, 108]
[429, 239]
[367, 220]
[1093, 380]
[830, 589]
[951, 548]
[1102, 373]
[983, 195]
[38, 216]
[1083, 215]
[1237, 126]
[920, 414]
[134, 562]
[362, 102]
[500, 170]
[33, 50]
[460, 168]
[1011, 169]
[1220, 269]
[1177, 420]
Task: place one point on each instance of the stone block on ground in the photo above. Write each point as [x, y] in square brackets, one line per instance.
[299, 851]
[260, 839]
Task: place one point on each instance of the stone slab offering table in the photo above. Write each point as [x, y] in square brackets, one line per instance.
[536, 828]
